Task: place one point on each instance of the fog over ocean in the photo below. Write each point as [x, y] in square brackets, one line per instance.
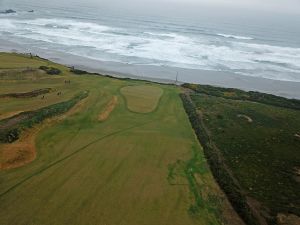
[256, 50]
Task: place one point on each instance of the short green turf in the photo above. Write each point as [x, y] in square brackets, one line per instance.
[142, 98]
[133, 168]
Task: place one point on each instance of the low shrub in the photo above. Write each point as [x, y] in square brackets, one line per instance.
[77, 71]
[237, 94]
[28, 119]
[50, 70]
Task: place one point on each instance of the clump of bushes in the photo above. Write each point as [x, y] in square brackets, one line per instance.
[77, 71]
[50, 70]
[12, 135]
[237, 94]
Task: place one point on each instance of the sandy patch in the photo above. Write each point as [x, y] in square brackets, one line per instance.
[108, 109]
[23, 151]
[288, 219]
[246, 117]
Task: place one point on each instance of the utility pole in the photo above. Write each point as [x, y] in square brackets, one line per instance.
[176, 81]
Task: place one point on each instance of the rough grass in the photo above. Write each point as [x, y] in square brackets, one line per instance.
[142, 98]
[114, 172]
[260, 147]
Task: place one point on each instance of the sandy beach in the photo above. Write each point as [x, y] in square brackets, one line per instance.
[165, 74]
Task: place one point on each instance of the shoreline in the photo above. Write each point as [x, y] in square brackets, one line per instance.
[165, 74]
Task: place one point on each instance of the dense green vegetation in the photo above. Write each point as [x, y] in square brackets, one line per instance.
[259, 143]
[218, 167]
[50, 70]
[237, 94]
[11, 128]
[77, 71]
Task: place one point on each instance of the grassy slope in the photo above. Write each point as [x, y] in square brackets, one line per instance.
[111, 172]
[262, 154]
[142, 98]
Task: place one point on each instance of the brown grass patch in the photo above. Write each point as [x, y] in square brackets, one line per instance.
[108, 109]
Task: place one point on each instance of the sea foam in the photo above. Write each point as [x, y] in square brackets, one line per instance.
[93, 40]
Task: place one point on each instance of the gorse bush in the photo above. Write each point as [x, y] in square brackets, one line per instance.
[50, 70]
[77, 71]
[28, 119]
[218, 168]
[236, 94]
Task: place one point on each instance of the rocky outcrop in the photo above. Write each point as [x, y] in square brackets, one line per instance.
[7, 11]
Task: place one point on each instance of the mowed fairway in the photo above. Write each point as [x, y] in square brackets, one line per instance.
[130, 169]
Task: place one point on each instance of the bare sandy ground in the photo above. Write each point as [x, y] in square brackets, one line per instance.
[165, 74]
[108, 109]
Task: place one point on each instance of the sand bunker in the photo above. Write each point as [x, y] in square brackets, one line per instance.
[20, 152]
[108, 109]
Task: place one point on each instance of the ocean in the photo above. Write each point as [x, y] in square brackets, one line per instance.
[254, 50]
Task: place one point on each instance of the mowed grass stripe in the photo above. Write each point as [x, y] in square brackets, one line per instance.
[70, 155]
[87, 174]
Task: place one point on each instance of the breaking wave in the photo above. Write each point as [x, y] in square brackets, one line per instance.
[235, 37]
[96, 41]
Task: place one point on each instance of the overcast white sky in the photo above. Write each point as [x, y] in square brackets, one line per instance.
[185, 7]
[283, 6]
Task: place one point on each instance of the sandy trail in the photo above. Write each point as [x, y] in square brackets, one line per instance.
[108, 109]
